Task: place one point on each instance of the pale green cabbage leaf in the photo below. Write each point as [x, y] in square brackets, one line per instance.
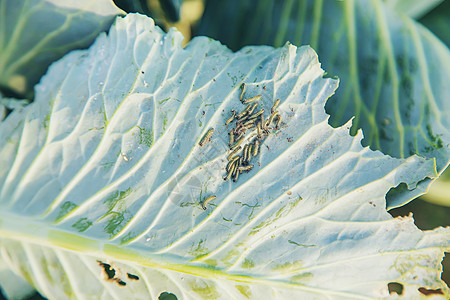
[104, 170]
[35, 33]
[394, 73]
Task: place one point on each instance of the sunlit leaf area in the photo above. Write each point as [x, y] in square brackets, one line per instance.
[208, 149]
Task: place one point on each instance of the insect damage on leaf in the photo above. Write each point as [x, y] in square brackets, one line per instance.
[167, 296]
[260, 129]
[110, 274]
[132, 276]
[134, 212]
[395, 288]
[428, 292]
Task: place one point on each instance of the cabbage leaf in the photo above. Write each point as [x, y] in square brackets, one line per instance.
[103, 181]
[394, 73]
[35, 33]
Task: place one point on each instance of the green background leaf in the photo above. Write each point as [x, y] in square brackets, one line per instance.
[413, 8]
[438, 21]
[35, 33]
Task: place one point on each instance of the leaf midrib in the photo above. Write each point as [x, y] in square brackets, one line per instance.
[19, 228]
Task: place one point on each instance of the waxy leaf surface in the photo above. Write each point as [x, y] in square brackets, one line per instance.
[102, 181]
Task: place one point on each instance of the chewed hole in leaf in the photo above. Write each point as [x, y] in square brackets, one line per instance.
[445, 276]
[121, 282]
[108, 270]
[111, 274]
[132, 276]
[404, 193]
[427, 216]
[428, 292]
[393, 192]
[395, 288]
[167, 296]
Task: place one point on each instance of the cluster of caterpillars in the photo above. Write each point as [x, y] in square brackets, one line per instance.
[250, 118]
[239, 156]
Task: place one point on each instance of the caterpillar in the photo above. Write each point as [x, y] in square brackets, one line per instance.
[256, 98]
[275, 106]
[206, 137]
[206, 201]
